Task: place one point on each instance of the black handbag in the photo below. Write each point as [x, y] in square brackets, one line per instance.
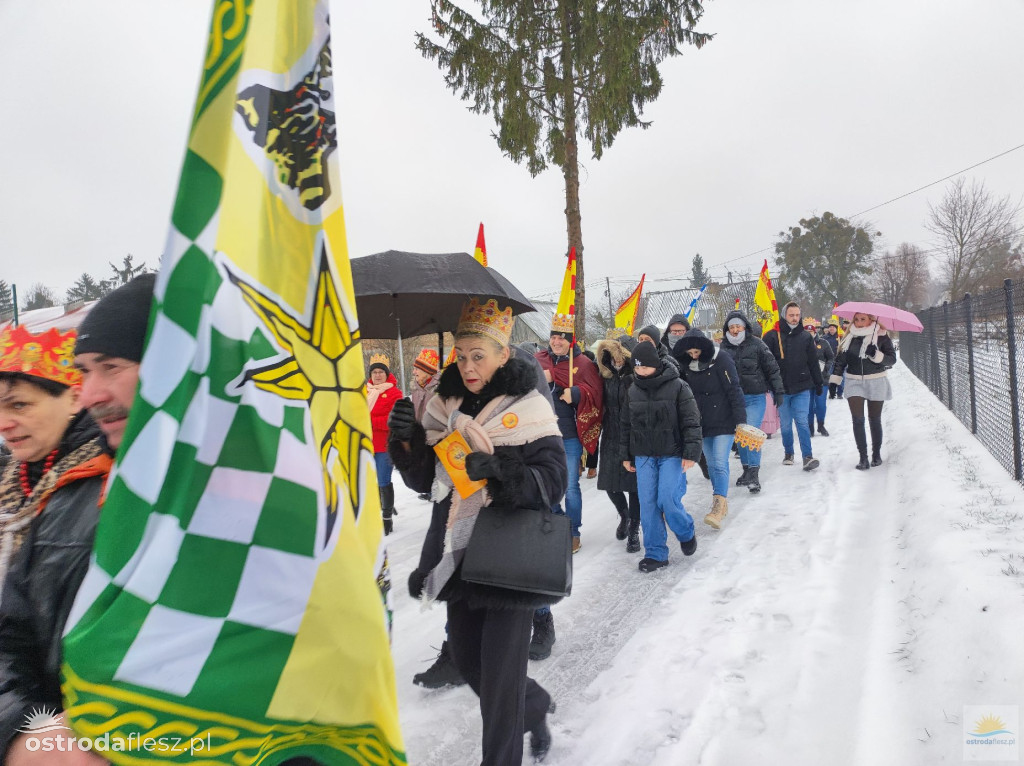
[521, 549]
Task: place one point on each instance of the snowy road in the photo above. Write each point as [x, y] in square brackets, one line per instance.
[839, 617]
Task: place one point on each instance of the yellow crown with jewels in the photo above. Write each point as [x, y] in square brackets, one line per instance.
[380, 359]
[488, 319]
[615, 332]
[564, 323]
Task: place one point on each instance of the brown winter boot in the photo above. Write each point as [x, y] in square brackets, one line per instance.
[719, 509]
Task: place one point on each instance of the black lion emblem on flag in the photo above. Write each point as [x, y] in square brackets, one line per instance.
[294, 130]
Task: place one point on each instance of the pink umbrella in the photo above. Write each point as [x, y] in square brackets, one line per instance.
[893, 318]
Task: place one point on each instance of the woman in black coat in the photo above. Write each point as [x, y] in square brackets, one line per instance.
[759, 374]
[715, 383]
[616, 368]
[865, 354]
[491, 399]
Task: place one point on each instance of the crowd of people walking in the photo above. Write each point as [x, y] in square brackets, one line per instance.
[641, 411]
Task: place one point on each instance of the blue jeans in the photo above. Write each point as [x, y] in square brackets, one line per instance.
[756, 406]
[384, 468]
[794, 409]
[818, 406]
[662, 484]
[573, 496]
[717, 451]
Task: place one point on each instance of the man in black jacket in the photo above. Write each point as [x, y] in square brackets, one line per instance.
[798, 362]
[34, 610]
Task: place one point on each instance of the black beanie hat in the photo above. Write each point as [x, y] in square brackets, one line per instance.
[651, 332]
[116, 326]
[646, 354]
[379, 366]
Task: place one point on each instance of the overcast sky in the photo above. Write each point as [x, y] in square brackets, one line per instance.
[796, 107]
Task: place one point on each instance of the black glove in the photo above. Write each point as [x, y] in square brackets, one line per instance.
[416, 580]
[389, 523]
[401, 420]
[871, 350]
[480, 465]
[818, 390]
[833, 390]
[777, 398]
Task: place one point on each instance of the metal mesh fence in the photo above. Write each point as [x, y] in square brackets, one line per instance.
[970, 356]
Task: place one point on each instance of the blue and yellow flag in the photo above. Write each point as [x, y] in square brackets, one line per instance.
[235, 608]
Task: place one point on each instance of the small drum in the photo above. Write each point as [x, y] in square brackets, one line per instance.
[750, 437]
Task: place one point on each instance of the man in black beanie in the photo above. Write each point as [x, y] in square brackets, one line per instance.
[108, 352]
[39, 590]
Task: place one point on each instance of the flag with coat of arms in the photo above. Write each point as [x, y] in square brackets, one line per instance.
[238, 586]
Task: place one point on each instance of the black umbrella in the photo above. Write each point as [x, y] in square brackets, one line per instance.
[406, 294]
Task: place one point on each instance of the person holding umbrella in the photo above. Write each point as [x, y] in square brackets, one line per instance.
[382, 392]
[865, 354]
[490, 397]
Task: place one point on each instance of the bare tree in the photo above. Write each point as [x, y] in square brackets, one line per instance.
[901, 278]
[970, 226]
[39, 297]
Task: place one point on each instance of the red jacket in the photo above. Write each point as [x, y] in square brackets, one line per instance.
[380, 412]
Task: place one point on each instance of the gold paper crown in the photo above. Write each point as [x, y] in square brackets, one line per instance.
[563, 323]
[380, 359]
[487, 320]
[615, 332]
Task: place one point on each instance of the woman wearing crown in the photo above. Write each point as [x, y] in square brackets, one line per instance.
[382, 392]
[58, 462]
[490, 397]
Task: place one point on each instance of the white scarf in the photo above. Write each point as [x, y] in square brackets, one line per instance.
[873, 329]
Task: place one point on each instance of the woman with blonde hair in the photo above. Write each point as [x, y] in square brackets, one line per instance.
[491, 399]
[865, 354]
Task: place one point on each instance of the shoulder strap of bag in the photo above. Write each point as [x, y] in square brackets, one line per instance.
[543, 489]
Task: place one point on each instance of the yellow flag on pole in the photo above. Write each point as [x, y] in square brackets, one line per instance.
[480, 253]
[625, 315]
[766, 307]
[567, 298]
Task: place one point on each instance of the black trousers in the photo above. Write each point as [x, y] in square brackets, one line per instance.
[490, 648]
[632, 506]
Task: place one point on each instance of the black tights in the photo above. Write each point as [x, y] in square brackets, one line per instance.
[857, 407]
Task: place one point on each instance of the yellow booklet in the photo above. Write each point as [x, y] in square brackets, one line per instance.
[452, 451]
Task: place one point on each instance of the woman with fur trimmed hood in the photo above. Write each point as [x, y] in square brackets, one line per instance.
[616, 368]
[715, 383]
[865, 354]
[490, 397]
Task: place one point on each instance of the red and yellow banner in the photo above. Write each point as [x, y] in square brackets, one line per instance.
[626, 314]
[480, 253]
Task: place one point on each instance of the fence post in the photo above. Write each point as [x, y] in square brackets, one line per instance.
[949, 357]
[969, 320]
[1011, 345]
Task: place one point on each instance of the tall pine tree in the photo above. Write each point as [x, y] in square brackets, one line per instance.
[699, 275]
[550, 71]
[6, 301]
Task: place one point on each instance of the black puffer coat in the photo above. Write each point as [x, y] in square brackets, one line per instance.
[662, 419]
[40, 589]
[715, 384]
[849, 360]
[757, 368]
[826, 356]
[799, 363]
[611, 476]
[518, 488]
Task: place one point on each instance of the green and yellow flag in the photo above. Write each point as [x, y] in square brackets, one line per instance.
[235, 610]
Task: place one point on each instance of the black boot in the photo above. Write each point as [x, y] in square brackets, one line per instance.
[387, 507]
[442, 673]
[754, 485]
[540, 741]
[862, 443]
[543, 636]
[744, 480]
[622, 506]
[876, 440]
[633, 537]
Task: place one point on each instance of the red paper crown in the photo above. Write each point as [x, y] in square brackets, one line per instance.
[48, 355]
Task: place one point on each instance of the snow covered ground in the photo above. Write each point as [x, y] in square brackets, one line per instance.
[839, 617]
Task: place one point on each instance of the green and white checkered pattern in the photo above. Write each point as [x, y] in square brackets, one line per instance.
[217, 569]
